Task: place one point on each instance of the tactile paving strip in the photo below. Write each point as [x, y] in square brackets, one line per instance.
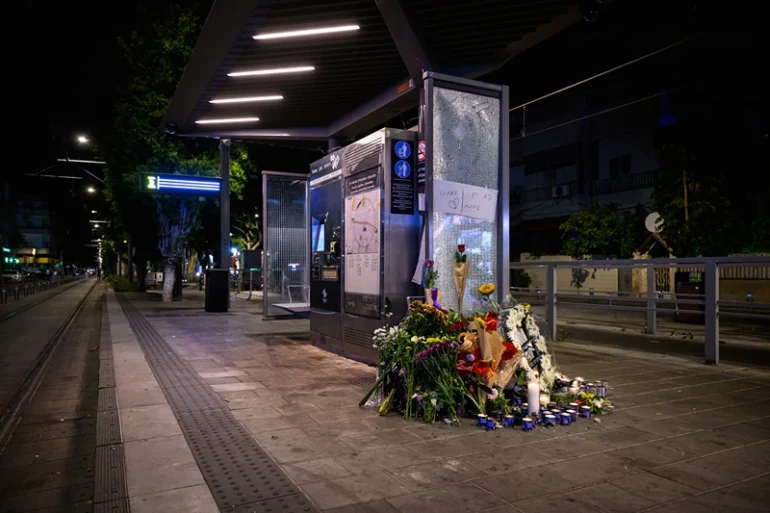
[107, 428]
[106, 374]
[109, 465]
[241, 475]
[107, 400]
[116, 506]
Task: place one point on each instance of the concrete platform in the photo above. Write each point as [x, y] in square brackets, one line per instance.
[685, 436]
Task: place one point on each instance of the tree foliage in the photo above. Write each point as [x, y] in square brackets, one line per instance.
[725, 210]
[603, 230]
[154, 55]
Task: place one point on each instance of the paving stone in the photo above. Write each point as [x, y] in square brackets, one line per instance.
[312, 471]
[145, 422]
[620, 437]
[344, 491]
[527, 484]
[197, 499]
[648, 456]
[655, 488]
[692, 474]
[140, 394]
[160, 464]
[700, 443]
[457, 499]
[380, 506]
[436, 474]
[384, 459]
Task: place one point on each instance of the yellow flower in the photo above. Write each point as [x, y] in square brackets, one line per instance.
[527, 306]
[487, 289]
[433, 340]
[481, 323]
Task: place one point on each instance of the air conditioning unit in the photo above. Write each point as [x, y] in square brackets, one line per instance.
[560, 191]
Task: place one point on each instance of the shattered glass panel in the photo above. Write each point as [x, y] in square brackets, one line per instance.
[466, 149]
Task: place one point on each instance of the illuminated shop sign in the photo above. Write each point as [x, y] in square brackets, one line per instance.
[182, 184]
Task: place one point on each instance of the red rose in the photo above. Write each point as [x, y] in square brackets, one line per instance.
[458, 326]
[429, 264]
[510, 351]
[461, 248]
[491, 321]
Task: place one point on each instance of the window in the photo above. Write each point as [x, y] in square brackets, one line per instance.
[620, 166]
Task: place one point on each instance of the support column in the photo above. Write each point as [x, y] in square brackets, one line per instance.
[550, 299]
[224, 202]
[130, 261]
[711, 297]
[651, 303]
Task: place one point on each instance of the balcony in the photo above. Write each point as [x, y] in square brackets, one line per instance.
[625, 183]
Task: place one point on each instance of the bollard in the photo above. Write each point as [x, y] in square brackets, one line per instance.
[539, 294]
[16, 293]
[3, 296]
[26, 289]
[750, 299]
[591, 291]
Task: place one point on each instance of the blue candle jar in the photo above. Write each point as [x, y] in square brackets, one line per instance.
[498, 416]
[481, 420]
[508, 421]
[574, 406]
[566, 420]
[572, 415]
[585, 412]
[550, 419]
[491, 423]
[517, 401]
[551, 406]
[527, 424]
[524, 409]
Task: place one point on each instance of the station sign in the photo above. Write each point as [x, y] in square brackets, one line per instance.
[183, 184]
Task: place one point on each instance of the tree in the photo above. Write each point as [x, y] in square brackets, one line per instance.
[603, 230]
[154, 55]
[249, 230]
[177, 218]
[709, 189]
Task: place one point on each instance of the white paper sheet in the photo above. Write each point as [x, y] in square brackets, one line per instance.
[466, 200]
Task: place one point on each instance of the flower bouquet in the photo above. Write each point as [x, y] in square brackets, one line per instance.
[436, 364]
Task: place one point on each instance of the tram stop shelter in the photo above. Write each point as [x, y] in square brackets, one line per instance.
[333, 71]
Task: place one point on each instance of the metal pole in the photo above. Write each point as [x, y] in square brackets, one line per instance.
[550, 299]
[711, 279]
[130, 259]
[224, 201]
[651, 303]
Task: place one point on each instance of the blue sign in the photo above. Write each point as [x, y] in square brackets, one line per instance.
[181, 184]
[403, 169]
[403, 149]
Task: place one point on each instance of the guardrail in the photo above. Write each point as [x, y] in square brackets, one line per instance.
[15, 290]
[651, 298]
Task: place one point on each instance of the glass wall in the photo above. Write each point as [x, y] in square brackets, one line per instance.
[466, 150]
[285, 270]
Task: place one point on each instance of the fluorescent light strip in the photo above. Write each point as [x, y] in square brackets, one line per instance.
[203, 185]
[225, 120]
[182, 186]
[307, 32]
[272, 71]
[188, 182]
[247, 99]
[188, 188]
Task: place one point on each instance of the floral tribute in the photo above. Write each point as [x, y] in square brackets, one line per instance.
[437, 364]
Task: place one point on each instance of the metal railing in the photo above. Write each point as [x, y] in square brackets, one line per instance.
[15, 290]
[653, 298]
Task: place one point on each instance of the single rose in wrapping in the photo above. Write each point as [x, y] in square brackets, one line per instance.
[460, 275]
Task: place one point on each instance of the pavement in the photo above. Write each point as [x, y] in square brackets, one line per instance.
[213, 407]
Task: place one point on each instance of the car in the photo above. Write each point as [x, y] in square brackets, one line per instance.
[13, 276]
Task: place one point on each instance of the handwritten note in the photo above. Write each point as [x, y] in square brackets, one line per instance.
[466, 200]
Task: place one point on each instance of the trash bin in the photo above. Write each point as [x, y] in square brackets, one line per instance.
[217, 290]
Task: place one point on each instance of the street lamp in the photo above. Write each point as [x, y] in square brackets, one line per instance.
[93, 211]
[91, 190]
[82, 139]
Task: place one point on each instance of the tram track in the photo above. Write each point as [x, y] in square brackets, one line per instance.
[32, 380]
[62, 288]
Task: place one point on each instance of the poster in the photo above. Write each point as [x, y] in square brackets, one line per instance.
[363, 206]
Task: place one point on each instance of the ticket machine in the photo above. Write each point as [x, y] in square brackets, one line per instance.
[366, 238]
